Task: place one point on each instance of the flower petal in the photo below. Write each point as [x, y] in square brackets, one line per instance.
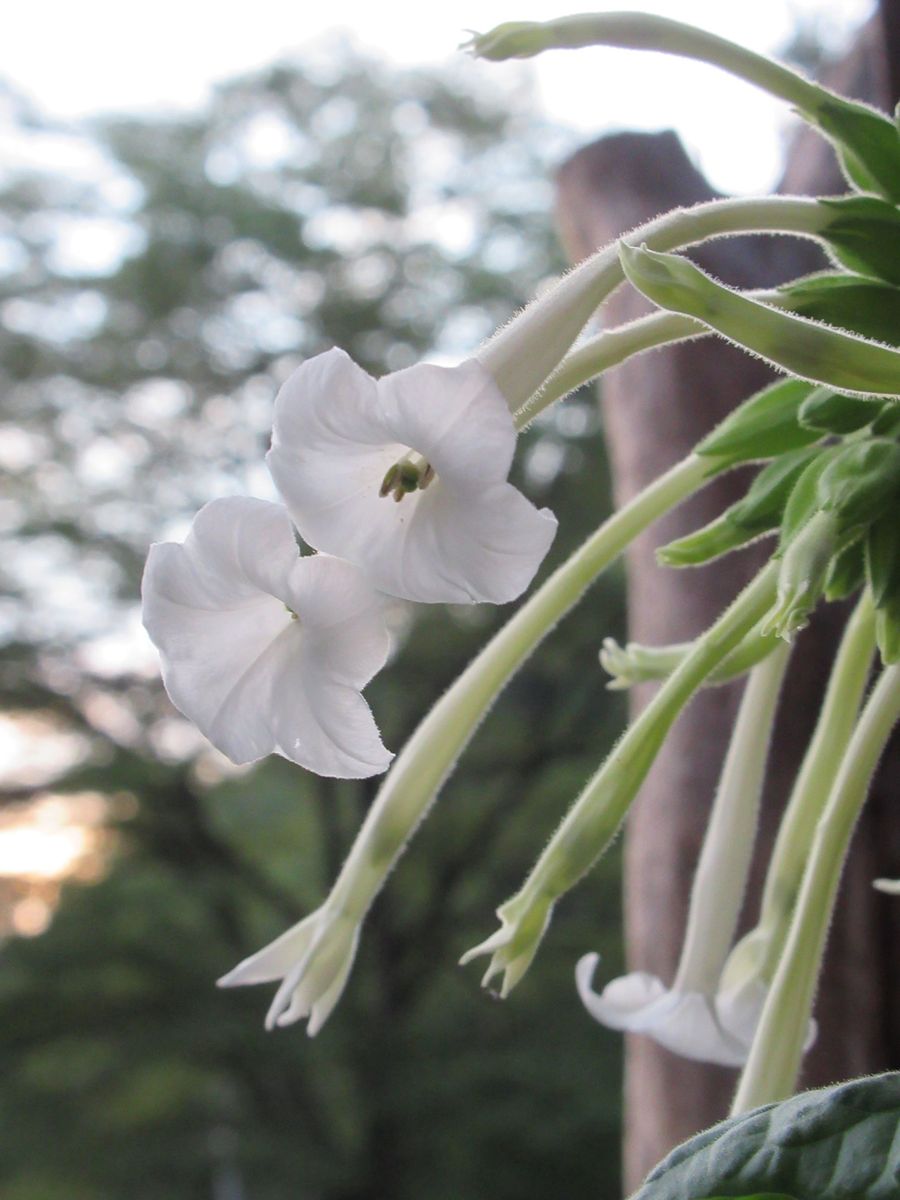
[455, 417]
[485, 546]
[237, 664]
[468, 537]
[321, 722]
[687, 1023]
[342, 618]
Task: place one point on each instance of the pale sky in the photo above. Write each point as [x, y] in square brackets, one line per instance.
[99, 55]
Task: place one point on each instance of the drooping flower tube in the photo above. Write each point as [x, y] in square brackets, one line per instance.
[262, 649]
[406, 476]
[592, 822]
[693, 1017]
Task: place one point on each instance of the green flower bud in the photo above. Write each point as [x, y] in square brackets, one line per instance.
[795, 344]
[802, 575]
[861, 482]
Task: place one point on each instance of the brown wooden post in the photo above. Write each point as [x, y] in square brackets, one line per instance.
[654, 410]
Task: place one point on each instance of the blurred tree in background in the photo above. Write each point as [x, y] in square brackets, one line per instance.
[157, 283]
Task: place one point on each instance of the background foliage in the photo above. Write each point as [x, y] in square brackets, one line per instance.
[156, 284]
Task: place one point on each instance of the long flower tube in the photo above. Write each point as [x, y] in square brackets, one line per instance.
[594, 819]
[756, 955]
[771, 1070]
[534, 343]
[613, 346]
[795, 344]
[313, 959]
[608, 349]
[690, 1017]
[865, 137]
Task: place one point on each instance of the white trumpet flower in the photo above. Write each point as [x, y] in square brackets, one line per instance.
[406, 476]
[262, 649]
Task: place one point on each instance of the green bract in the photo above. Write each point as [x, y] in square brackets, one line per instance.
[839, 1143]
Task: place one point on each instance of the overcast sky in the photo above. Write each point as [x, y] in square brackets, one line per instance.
[103, 55]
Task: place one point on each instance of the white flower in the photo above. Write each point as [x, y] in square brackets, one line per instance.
[715, 1028]
[406, 476]
[312, 960]
[262, 649]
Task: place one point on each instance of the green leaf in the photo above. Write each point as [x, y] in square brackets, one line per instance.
[756, 1196]
[868, 144]
[883, 558]
[887, 423]
[703, 545]
[764, 425]
[839, 1143]
[883, 572]
[762, 507]
[865, 306]
[847, 572]
[865, 236]
[833, 412]
[861, 481]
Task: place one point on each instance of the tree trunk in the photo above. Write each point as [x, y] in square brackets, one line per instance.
[655, 409]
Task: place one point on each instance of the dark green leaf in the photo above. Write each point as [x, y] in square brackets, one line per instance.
[868, 142]
[887, 423]
[762, 507]
[883, 571]
[887, 631]
[865, 236]
[763, 426]
[833, 412]
[847, 572]
[703, 545]
[883, 558]
[865, 306]
[861, 481]
[839, 1143]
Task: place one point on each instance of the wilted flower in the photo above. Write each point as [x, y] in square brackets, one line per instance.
[262, 649]
[406, 476]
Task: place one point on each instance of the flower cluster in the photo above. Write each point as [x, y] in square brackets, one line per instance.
[401, 485]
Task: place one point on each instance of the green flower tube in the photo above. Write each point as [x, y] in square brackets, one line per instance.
[756, 955]
[523, 355]
[771, 1070]
[312, 960]
[866, 139]
[594, 818]
[792, 343]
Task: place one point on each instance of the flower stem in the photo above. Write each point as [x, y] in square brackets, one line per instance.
[606, 350]
[594, 818]
[774, 1061]
[524, 353]
[810, 792]
[721, 875]
[429, 755]
[640, 31]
